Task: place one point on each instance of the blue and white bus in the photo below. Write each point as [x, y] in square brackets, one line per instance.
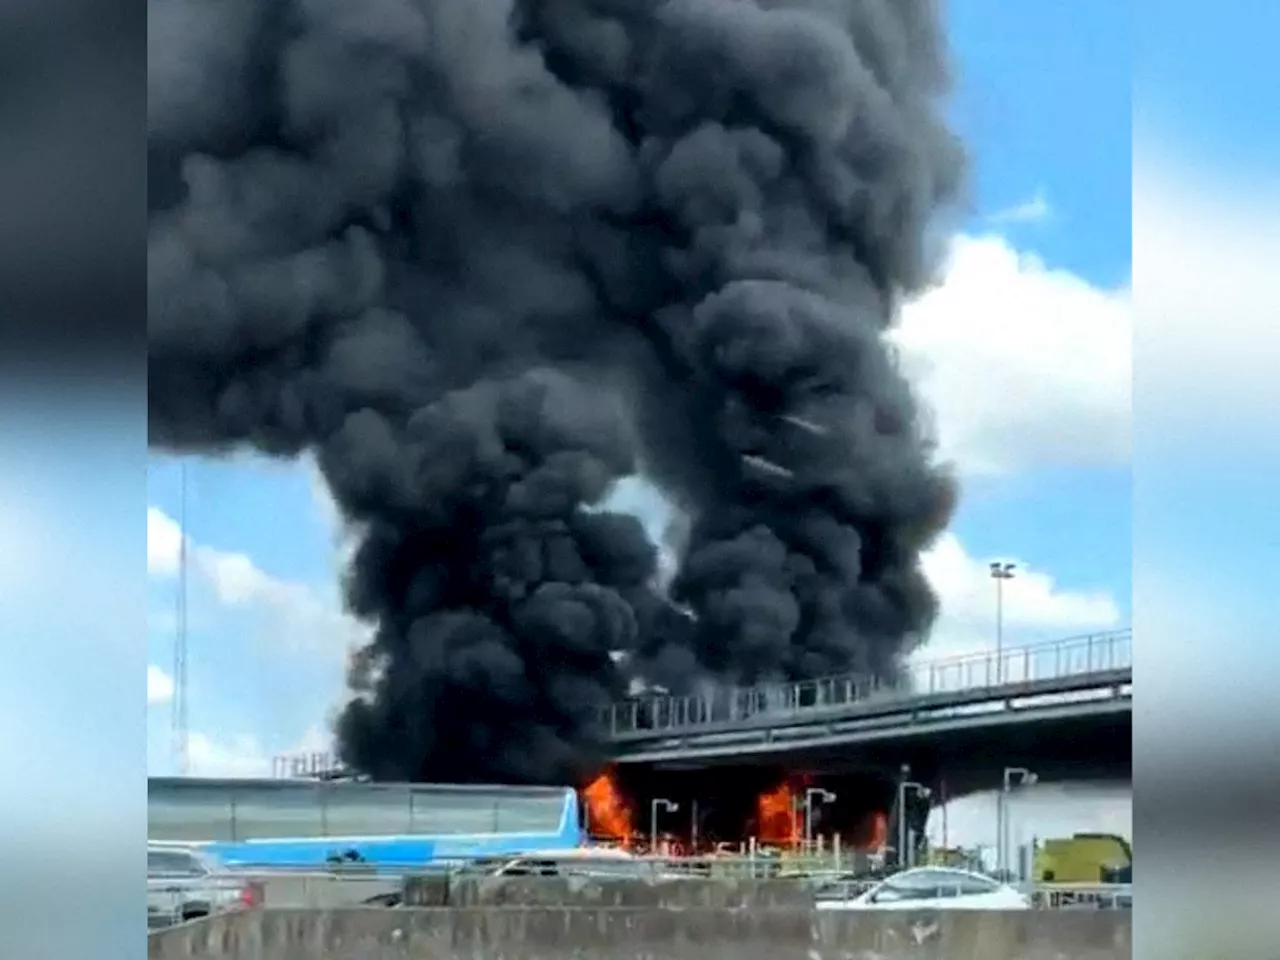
[310, 823]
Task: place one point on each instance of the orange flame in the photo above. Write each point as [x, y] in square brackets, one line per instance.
[608, 812]
[879, 831]
[776, 819]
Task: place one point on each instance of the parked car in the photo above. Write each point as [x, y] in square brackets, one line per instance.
[184, 883]
[926, 888]
[595, 863]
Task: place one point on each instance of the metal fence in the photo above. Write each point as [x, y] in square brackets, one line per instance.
[1104, 896]
[1071, 659]
[808, 879]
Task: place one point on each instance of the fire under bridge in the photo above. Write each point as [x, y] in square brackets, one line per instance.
[1062, 709]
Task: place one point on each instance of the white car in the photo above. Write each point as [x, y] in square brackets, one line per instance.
[577, 861]
[926, 888]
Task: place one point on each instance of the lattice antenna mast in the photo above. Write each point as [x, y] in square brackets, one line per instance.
[180, 746]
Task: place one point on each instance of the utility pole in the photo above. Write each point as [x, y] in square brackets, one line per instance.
[658, 803]
[1013, 777]
[942, 785]
[180, 746]
[822, 796]
[906, 787]
[1000, 572]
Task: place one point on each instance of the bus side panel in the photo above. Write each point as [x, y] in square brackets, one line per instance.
[402, 851]
[396, 850]
[317, 852]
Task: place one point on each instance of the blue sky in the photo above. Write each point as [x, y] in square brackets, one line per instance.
[1205, 79]
[1043, 102]
[1053, 117]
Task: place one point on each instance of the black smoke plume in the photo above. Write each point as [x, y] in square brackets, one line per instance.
[483, 258]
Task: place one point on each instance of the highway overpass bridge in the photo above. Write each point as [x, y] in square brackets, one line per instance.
[1062, 708]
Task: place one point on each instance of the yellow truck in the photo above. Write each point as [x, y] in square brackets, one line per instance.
[1084, 858]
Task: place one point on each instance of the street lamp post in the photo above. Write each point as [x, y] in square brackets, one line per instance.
[822, 796]
[1013, 777]
[906, 786]
[1000, 572]
[667, 805]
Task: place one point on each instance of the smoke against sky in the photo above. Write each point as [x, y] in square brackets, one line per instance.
[486, 259]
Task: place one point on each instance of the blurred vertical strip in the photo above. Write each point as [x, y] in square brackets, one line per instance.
[72, 474]
[1206, 458]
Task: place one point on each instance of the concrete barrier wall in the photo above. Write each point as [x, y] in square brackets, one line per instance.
[320, 891]
[325, 892]
[593, 892]
[571, 933]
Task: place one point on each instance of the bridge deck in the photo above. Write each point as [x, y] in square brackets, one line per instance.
[1065, 681]
[1116, 705]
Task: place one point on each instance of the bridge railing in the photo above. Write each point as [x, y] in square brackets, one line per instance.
[1015, 668]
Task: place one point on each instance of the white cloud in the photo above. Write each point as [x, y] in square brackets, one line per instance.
[238, 756]
[164, 543]
[300, 615]
[159, 686]
[1035, 606]
[1022, 365]
[240, 583]
[294, 618]
[1033, 210]
[244, 755]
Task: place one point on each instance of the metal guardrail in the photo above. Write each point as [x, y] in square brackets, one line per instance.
[1103, 896]
[336, 889]
[731, 867]
[1067, 662]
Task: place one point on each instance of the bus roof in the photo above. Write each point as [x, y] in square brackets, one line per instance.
[287, 783]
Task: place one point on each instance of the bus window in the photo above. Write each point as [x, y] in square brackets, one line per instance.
[276, 811]
[366, 811]
[189, 812]
[438, 813]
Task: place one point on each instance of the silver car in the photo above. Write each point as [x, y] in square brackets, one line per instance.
[184, 883]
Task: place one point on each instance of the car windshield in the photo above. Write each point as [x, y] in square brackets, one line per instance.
[930, 884]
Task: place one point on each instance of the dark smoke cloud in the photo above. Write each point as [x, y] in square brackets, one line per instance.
[486, 258]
